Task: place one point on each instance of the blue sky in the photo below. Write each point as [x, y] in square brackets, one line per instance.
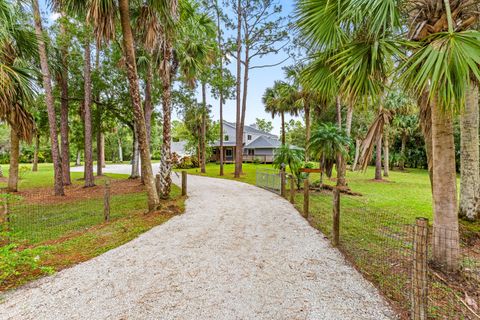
[259, 80]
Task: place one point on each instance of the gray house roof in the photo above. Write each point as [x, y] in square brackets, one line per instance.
[251, 129]
[263, 142]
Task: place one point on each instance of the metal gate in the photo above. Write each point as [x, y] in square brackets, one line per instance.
[269, 179]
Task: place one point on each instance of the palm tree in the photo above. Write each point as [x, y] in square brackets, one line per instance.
[444, 56]
[165, 26]
[17, 46]
[276, 102]
[328, 143]
[469, 156]
[103, 15]
[304, 98]
[293, 158]
[47, 86]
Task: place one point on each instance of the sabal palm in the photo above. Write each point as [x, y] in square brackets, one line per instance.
[166, 25]
[277, 101]
[445, 54]
[103, 14]
[17, 47]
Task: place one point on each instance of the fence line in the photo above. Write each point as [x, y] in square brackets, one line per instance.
[397, 253]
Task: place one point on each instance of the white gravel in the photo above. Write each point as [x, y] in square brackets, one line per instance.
[238, 252]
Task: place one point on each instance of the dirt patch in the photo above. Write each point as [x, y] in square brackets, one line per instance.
[77, 192]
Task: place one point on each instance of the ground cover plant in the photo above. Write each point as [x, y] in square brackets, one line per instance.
[45, 233]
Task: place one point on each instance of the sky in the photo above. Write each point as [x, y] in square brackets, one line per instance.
[259, 80]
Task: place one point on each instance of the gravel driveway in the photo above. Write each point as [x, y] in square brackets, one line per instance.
[238, 252]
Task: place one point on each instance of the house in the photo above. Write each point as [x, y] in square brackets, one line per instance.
[257, 145]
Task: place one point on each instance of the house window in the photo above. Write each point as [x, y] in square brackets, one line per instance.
[249, 137]
[251, 152]
[225, 138]
[228, 152]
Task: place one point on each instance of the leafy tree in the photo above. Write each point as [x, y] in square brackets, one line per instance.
[264, 125]
[291, 157]
[328, 142]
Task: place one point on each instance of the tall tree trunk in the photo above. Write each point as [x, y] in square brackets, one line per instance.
[445, 218]
[348, 121]
[239, 133]
[166, 158]
[282, 115]
[100, 152]
[403, 148]
[120, 150]
[14, 156]
[469, 157]
[129, 51]
[426, 127]
[220, 60]
[203, 129]
[378, 159]
[65, 149]
[358, 143]
[47, 86]
[88, 153]
[148, 105]
[341, 182]
[307, 130]
[386, 154]
[135, 155]
[35, 153]
[78, 160]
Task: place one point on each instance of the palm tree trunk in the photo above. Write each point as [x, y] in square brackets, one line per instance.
[282, 115]
[386, 155]
[135, 155]
[358, 143]
[469, 157]
[35, 153]
[307, 130]
[239, 138]
[47, 86]
[445, 218]
[378, 159]
[132, 75]
[166, 158]
[14, 156]
[203, 128]
[401, 163]
[426, 126]
[87, 72]
[65, 149]
[148, 106]
[341, 182]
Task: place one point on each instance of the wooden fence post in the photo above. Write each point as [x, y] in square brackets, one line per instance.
[336, 217]
[106, 201]
[419, 274]
[184, 183]
[282, 183]
[306, 196]
[292, 189]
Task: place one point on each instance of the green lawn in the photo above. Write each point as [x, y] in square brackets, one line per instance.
[48, 233]
[377, 229]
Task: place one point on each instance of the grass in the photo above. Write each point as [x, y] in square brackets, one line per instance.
[377, 231]
[49, 233]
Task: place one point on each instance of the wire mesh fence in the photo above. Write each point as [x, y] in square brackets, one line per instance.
[269, 179]
[36, 216]
[410, 262]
